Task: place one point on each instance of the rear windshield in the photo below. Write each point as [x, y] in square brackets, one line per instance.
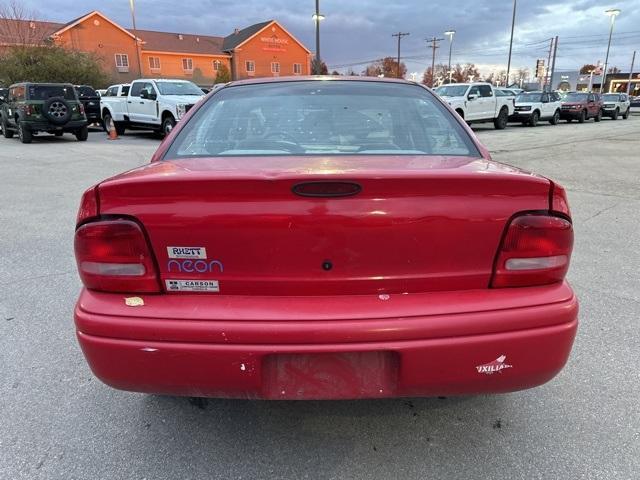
[529, 97]
[45, 92]
[317, 118]
[576, 97]
[452, 90]
[86, 92]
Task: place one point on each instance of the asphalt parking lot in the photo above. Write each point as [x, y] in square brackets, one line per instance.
[58, 422]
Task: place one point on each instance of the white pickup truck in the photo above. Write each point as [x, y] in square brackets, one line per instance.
[478, 103]
[150, 104]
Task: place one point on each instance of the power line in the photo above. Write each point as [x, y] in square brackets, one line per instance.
[399, 35]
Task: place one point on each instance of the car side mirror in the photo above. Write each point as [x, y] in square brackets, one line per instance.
[2, 99]
[144, 94]
[472, 96]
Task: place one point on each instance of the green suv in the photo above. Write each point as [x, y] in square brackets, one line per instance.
[42, 107]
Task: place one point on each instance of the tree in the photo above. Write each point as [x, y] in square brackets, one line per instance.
[319, 68]
[335, 73]
[587, 69]
[18, 24]
[440, 74]
[388, 67]
[51, 64]
[521, 75]
[223, 75]
[465, 73]
[614, 70]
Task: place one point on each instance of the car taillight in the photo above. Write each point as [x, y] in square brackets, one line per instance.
[535, 250]
[114, 256]
[81, 108]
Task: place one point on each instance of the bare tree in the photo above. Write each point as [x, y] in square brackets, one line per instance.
[18, 25]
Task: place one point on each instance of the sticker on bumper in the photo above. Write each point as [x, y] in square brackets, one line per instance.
[497, 365]
[187, 252]
[192, 285]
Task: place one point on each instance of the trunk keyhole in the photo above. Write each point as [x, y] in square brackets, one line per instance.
[327, 265]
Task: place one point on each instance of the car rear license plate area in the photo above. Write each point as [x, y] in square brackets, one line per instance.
[326, 376]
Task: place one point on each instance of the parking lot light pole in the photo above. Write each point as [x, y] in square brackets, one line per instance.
[612, 13]
[450, 33]
[513, 24]
[318, 17]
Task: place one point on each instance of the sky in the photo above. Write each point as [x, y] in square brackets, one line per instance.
[355, 31]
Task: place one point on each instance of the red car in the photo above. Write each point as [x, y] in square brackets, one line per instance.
[324, 238]
[581, 106]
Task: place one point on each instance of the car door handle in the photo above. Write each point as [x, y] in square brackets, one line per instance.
[129, 101]
[141, 103]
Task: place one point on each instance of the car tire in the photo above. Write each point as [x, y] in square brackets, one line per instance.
[500, 123]
[24, 134]
[106, 121]
[626, 114]
[614, 115]
[582, 117]
[167, 125]
[555, 119]
[533, 119]
[598, 117]
[5, 130]
[82, 134]
[57, 110]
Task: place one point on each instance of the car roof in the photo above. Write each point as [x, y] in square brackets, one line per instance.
[43, 84]
[319, 78]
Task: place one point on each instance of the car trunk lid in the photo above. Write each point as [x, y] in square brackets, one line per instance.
[416, 223]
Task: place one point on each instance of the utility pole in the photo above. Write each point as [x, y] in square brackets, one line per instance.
[547, 80]
[513, 24]
[633, 61]
[399, 35]
[135, 35]
[553, 64]
[434, 46]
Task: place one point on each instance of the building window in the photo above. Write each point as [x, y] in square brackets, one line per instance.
[297, 69]
[275, 68]
[216, 65]
[250, 66]
[154, 63]
[122, 62]
[187, 64]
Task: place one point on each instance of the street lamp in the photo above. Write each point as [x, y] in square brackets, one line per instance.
[612, 13]
[450, 33]
[317, 17]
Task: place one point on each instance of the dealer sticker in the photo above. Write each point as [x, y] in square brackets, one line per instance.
[187, 252]
[192, 285]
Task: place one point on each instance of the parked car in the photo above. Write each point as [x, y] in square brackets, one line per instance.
[43, 107]
[477, 103]
[118, 108]
[305, 238]
[581, 106]
[4, 93]
[534, 106]
[616, 104]
[151, 104]
[635, 102]
[101, 92]
[503, 92]
[91, 103]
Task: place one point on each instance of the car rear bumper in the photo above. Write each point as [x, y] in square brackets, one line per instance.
[445, 343]
[50, 127]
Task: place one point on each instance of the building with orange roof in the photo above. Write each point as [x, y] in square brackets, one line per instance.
[265, 49]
